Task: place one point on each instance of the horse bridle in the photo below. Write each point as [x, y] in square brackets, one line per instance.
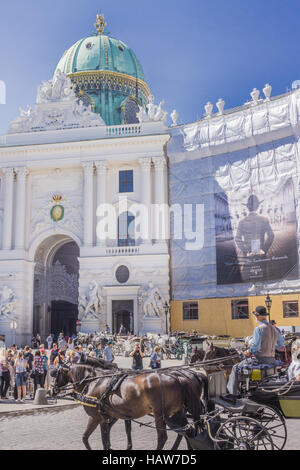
[67, 366]
[54, 374]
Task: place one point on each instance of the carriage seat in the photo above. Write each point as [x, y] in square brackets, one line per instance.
[241, 406]
[266, 370]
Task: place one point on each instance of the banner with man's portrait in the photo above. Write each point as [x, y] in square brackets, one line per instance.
[256, 234]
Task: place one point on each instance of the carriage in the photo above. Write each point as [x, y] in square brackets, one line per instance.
[192, 344]
[255, 421]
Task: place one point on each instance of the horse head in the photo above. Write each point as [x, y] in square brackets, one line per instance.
[60, 374]
[210, 353]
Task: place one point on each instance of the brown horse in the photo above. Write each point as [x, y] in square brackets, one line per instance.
[197, 355]
[98, 363]
[228, 357]
[162, 393]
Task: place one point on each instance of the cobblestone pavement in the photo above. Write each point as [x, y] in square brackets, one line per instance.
[63, 430]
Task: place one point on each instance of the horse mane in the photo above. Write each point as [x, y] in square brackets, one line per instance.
[78, 372]
[96, 362]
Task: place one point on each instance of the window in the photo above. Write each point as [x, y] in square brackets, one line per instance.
[129, 110]
[126, 181]
[239, 309]
[190, 310]
[290, 309]
[126, 230]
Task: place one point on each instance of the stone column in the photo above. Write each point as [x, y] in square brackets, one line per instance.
[160, 189]
[88, 196]
[21, 206]
[8, 208]
[101, 167]
[146, 192]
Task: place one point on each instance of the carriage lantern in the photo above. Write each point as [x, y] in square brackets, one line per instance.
[268, 303]
[166, 308]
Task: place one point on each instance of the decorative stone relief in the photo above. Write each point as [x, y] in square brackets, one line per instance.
[41, 216]
[57, 107]
[151, 301]
[91, 303]
[8, 303]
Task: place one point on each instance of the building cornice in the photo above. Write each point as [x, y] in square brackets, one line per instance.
[81, 150]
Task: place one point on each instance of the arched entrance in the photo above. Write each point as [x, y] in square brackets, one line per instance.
[55, 306]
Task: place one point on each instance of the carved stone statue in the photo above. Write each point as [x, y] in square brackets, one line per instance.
[152, 302]
[155, 113]
[24, 113]
[142, 115]
[151, 107]
[60, 88]
[90, 305]
[174, 116]
[7, 302]
[86, 115]
[57, 108]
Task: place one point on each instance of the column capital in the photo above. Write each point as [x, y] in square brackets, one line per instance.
[9, 172]
[88, 167]
[159, 162]
[145, 163]
[101, 166]
[22, 171]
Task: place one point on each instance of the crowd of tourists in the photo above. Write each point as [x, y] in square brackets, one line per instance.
[23, 371]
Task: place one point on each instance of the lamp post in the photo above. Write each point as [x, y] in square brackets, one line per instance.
[166, 308]
[13, 327]
[268, 303]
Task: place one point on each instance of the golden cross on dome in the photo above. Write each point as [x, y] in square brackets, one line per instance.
[100, 24]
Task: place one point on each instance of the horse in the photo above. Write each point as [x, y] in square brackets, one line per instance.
[162, 393]
[197, 356]
[98, 363]
[230, 357]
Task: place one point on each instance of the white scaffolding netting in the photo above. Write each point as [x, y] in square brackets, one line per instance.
[223, 181]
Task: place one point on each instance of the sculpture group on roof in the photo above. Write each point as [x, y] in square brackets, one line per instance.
[57, 107]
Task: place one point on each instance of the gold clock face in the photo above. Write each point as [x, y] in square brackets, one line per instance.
[57, 212]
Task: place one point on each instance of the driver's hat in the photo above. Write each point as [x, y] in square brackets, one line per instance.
[260, 311]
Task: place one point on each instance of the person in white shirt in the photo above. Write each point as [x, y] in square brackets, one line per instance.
[293, 371]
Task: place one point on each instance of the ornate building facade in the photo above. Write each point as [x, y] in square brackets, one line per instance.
[82, 147]
[94, 146]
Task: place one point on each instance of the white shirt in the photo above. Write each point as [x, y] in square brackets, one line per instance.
[293, 370]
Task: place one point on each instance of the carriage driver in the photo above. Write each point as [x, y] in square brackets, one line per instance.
[266, 338]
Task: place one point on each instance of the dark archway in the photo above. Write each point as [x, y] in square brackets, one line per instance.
[63, 317]
[56, 286]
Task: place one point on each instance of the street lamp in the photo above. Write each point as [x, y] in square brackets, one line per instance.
[268, 303]
[166, 308]
[13, 327]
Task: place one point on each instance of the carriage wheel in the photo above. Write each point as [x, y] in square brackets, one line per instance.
[243, 433]
[274, 422]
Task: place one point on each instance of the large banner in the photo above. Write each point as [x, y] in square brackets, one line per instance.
[256, 234]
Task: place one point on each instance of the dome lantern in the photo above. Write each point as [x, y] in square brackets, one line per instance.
[100, 24]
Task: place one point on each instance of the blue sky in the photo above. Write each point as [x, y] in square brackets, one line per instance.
[192, 51]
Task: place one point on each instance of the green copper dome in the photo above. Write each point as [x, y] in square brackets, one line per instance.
[106, 74]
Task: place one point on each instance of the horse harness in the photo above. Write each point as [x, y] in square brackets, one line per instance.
[112, 387]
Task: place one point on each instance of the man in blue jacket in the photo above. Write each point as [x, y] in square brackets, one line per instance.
[266, 338]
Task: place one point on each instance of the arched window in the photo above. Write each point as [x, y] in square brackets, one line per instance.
[126, 229]
[129, 109]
